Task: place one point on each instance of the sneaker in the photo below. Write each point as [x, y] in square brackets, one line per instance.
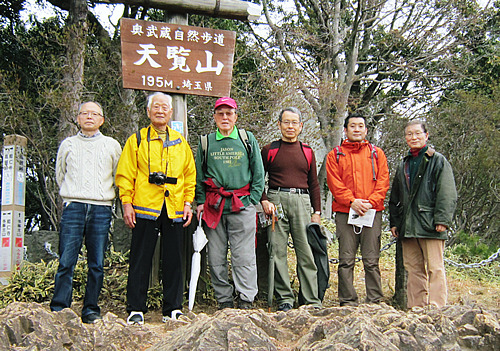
[91, 318]
[135, 317]
[244, 305]
[174, 315]
[285, 307]
[227, 304]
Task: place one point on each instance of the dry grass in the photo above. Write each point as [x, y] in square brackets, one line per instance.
[465, 286]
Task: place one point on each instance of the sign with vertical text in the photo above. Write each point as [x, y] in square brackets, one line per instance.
[176, 58]
[13, 205]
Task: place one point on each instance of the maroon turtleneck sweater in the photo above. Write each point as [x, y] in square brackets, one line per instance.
[290, 170]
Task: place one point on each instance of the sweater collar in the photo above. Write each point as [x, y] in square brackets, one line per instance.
[89, 137]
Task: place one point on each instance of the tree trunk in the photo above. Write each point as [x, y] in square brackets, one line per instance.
[76, 35]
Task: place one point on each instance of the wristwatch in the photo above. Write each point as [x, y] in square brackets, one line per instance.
[188, 204]
[318, 213]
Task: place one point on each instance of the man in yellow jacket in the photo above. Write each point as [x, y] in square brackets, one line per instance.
[156, 176]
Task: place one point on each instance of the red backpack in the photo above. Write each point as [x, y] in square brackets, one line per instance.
[275, 146]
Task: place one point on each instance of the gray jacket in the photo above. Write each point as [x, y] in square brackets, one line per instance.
[431, 200]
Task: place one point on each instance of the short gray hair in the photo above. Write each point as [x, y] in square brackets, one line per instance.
[292, 110]
[87, 102]
[151, 96]
[417, 122]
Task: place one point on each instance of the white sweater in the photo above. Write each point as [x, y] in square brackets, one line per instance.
[85, 169]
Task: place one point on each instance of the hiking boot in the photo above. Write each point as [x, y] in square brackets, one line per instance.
[135, 317]
[244, 305]
[285, 307]
[174, 315]
[227, 304]
[91, 318]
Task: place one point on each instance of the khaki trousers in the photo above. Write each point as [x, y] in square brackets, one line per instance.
[297, 208]
[423, 260]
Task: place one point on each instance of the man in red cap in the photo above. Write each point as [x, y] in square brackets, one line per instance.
[229, 183]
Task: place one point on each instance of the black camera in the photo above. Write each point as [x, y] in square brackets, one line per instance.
[159, 178]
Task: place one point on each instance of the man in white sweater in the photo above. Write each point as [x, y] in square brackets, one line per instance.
[85, 169]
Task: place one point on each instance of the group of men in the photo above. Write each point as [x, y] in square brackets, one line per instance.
[158, 180]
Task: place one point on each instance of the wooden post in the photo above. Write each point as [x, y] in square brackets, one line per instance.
[232, 9]
[179, 103]
[13, 206]
[400, 299]
[179, 123]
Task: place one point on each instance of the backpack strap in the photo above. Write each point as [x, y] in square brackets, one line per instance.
[374, 155]
[204, 149]
[273, 150]
[373, 150]
[337, 151]
[307, 150]
[138, 137]
[244, 138]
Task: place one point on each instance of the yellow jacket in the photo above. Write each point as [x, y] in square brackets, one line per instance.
[174, 158]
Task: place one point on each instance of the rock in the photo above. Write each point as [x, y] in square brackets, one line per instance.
[486, 323]
[35, 245]
[27, 326]
[31, 326]
[467, 330]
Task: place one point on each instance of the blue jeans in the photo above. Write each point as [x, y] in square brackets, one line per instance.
[81, 220]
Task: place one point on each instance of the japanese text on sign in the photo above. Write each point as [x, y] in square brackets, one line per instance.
[175, 58]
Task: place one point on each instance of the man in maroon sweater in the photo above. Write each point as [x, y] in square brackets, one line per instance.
[293, 183]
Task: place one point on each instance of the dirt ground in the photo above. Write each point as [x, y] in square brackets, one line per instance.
[461, 290]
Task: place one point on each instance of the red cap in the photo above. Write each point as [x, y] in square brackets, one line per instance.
[225, 101]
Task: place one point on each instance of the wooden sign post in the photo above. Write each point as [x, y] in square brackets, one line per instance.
[13, 205]
[179, 59]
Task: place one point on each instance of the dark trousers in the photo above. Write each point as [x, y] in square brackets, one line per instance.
[369, 242]
[144, 238]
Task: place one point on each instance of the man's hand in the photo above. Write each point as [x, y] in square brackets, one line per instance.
[361, 206]
[394, 231]
[188, 215]
[440, 228]
[199, 210]
[316, 218]
[268, 207]
[129, 215]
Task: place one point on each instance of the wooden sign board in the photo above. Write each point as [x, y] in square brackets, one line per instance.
[175, 58]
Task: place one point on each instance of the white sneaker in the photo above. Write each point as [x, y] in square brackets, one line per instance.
[135, 317]
[173, 316]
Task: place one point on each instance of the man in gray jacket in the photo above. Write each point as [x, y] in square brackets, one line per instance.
[422, 203]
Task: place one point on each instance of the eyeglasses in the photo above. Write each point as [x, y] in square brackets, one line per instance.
[161, 107]
[91, 114]
[293, 123]
[416, 134]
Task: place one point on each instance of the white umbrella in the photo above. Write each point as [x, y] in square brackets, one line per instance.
[199, 242]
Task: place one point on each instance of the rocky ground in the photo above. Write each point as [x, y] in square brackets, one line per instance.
[31, 326]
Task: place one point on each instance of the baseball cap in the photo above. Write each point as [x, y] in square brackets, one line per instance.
[225, 101]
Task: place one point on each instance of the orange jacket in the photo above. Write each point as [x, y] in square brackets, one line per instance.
[352, 177]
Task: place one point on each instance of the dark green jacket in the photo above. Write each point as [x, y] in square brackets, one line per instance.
[431, 201]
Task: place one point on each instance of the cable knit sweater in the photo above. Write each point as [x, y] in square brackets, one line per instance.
[85, 169]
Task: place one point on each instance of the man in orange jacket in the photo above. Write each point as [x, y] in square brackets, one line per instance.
[358, 178]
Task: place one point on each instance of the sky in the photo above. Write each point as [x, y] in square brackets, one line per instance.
[108, 15]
